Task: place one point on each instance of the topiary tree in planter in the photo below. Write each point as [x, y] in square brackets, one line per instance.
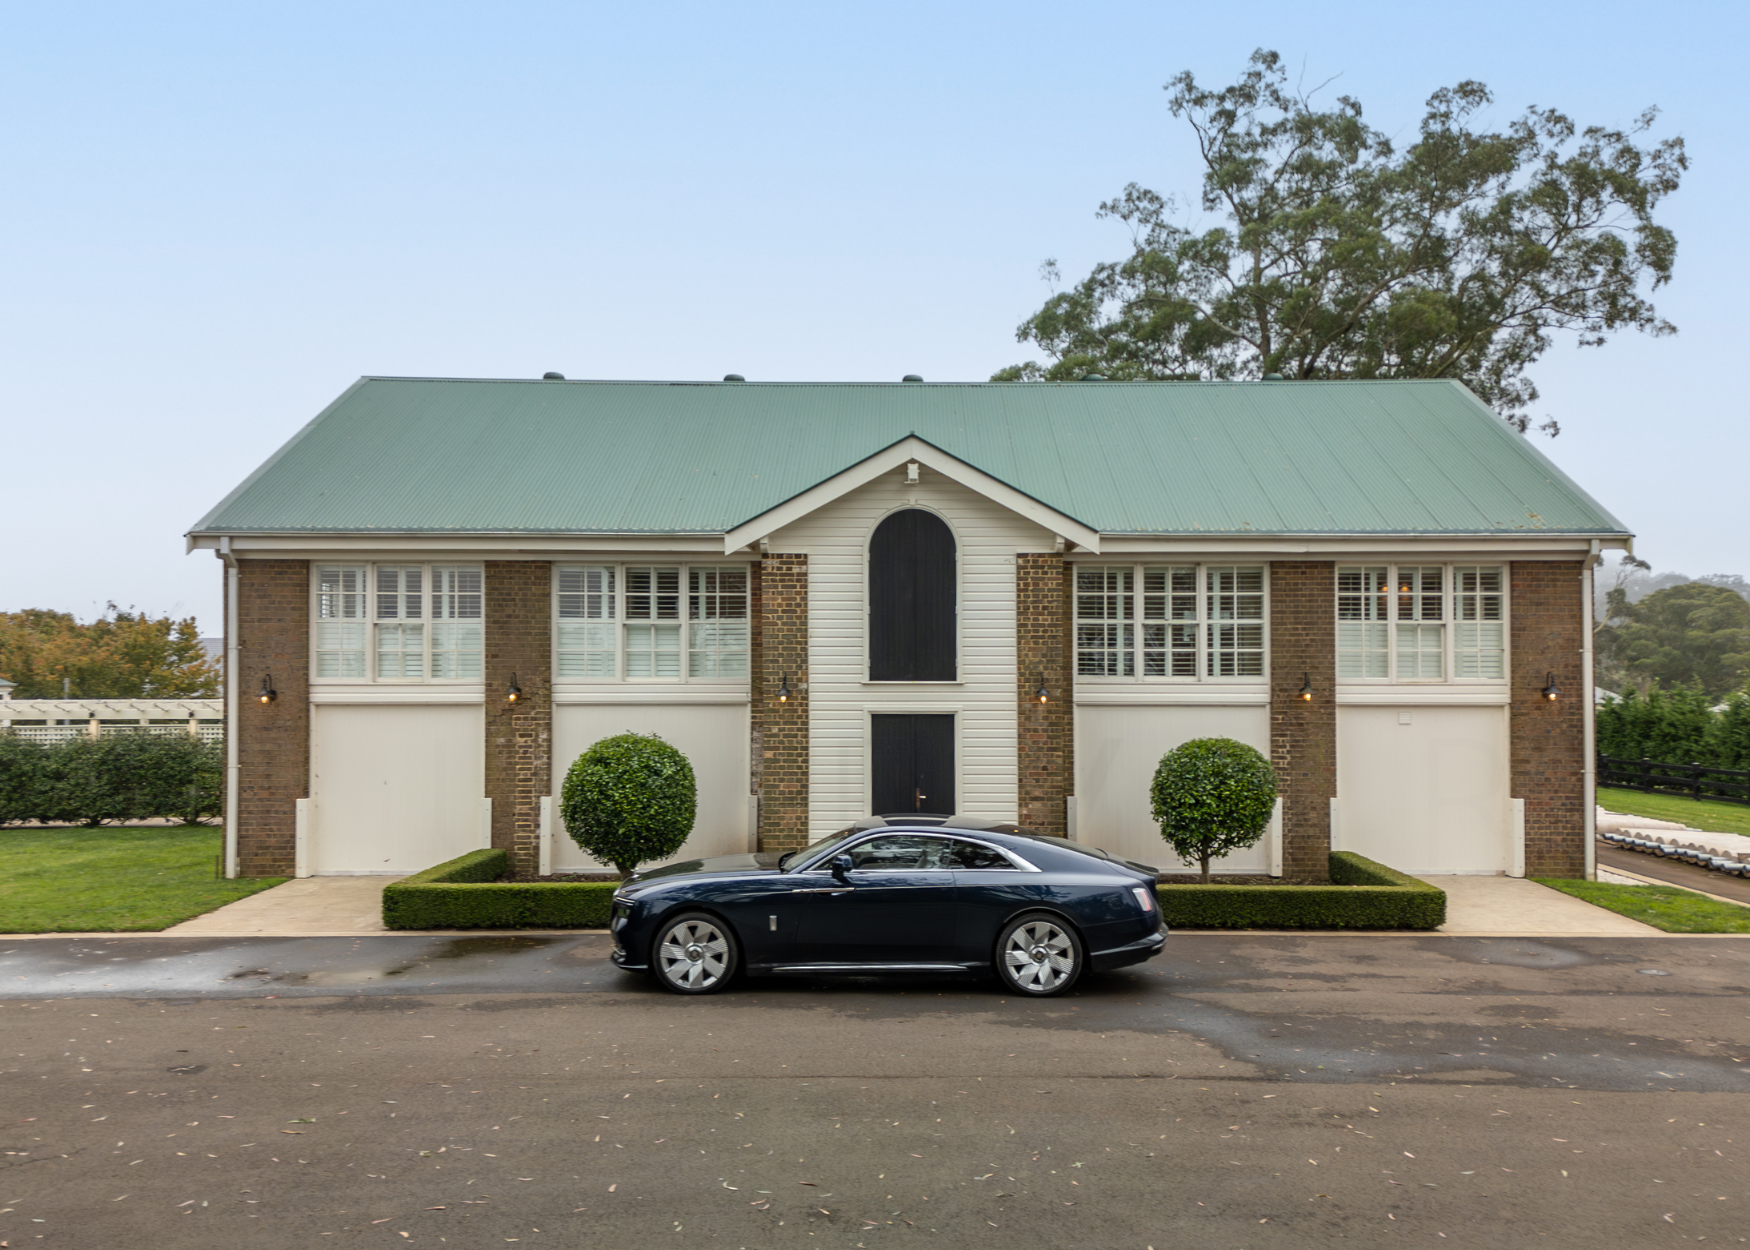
[1212, 796]
[628, 800]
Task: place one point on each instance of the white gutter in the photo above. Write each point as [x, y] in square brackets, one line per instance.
[233, 769]
[1589, 710]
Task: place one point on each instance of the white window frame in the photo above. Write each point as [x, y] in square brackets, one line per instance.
[369, 621]
[620, 621]
[1449, 620]
[1203, 621]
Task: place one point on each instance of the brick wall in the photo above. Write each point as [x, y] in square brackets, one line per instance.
[519, 736]
[781, 650]
[273, 739]
[1043, 653]
[1303, 735]
[1548, 744]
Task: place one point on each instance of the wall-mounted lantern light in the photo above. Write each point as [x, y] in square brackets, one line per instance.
[1042, 694]
[268, 693]
[1550, 690]
[784, 688]
[514, 691]
[1306, 688]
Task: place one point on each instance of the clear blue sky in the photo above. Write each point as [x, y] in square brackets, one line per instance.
[216, 216]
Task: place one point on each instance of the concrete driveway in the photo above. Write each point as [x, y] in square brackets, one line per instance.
[1240, 1091]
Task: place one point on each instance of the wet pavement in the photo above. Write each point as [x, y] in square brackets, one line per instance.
[1240, 1091]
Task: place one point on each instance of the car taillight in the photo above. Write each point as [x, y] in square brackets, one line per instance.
[1144, 897]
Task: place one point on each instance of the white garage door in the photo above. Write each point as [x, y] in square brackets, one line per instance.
[394, 789]
[1117, 752]
[714, 738]
[1424, 789]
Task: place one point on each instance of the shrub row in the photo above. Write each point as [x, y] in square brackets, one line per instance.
[1362, 895]
[121, 777]
[467, 893]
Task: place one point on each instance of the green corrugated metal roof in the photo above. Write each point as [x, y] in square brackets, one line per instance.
[410, 455]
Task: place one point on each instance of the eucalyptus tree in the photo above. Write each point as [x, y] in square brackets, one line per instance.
[1334, 253]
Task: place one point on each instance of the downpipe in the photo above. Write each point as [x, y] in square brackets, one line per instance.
[233, 769]
[1588, 716]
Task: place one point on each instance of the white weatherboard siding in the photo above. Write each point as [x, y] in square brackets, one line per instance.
[1424, 789]
[713, 737]
[1118, 748]
[840, 699]
[394, 789]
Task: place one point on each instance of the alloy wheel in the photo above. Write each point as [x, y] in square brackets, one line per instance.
[1040, 956]
[694, 956]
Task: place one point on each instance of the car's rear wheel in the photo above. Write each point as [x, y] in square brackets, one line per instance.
[694, 953]
[1039, 955]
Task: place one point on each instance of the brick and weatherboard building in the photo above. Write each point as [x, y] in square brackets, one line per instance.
[1001, 600]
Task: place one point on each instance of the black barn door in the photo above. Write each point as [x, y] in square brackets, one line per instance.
[912, 765]
[911, 599]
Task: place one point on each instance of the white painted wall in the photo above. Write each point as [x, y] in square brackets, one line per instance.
[840, 700]
[1425, 789]
[714, 738]
[1118, 749]
[394, 789]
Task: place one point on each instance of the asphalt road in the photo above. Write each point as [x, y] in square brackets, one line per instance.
[1243, 1091]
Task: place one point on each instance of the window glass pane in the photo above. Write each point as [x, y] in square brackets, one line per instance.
[652, 650]
[653, 594]
[717, 634]
[900, 852]
[1236, 595]
[340, 593]
[456, 649]
[1479, 606]
[1419, 597]
[1420, 652]
[972, 855]
[585, 633]
[456, 594]
[400, 651]
[1169, 595]
[1362, 650]
[1105, 637]
[399, 595]
[340, 648]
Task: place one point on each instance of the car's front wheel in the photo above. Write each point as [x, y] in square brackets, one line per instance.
[1039, 955]
[695, 954]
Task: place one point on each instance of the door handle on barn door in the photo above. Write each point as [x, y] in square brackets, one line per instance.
[918, 804]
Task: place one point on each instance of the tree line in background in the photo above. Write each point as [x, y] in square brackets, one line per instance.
[1676, 727]
[128, 776]
[1334, 253]
[123, 654]
[1668, 632]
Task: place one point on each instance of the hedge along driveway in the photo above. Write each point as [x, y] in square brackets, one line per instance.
[467, 893]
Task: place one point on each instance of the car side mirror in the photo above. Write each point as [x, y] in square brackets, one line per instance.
[842, 864]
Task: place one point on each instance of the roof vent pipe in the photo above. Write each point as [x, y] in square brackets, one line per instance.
[733, 377]
[911, 377]
[552, 377]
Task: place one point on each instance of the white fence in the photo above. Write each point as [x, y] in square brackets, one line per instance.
[55, 720]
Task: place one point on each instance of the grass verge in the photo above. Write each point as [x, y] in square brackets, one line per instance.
[1698, 813]
[1662, 906]
[113, 880]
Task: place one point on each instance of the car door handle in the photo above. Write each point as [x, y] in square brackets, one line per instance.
[837, 889]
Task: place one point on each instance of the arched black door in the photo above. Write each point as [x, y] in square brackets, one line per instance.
[911, 599]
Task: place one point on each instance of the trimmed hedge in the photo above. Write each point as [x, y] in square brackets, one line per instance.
[467, 893]
[125, 776]
[1362, 895]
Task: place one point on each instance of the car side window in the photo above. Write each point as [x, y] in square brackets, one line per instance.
[898, 853]
[972, 855]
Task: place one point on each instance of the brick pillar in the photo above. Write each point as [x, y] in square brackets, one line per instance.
[1548, 743]
[273, 739]
[519, 736]
[782, 728]
[1042, 653]
[1303, 735]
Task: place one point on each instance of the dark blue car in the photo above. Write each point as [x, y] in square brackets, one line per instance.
[913, 894]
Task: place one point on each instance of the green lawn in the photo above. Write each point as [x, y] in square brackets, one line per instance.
[1701, 813]
[1662, 906]
[112, 880]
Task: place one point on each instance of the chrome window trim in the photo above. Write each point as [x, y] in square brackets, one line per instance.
[946, 834]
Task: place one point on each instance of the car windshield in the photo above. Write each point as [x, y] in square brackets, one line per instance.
[789, 862]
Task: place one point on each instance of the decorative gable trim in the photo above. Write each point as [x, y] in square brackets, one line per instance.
[908, 449]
